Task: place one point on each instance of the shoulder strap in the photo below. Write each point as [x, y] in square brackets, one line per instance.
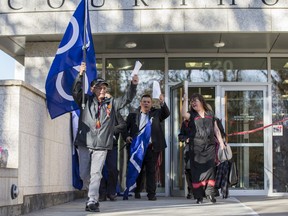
[220, 126]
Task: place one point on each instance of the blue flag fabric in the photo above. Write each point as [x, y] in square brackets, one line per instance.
[76, 179]
[137, 152]
[67, 61]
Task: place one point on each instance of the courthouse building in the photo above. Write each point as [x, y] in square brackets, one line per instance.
[233, 52]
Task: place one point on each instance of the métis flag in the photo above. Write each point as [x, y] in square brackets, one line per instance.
[76, 179]
[77, 39]
[137, 152]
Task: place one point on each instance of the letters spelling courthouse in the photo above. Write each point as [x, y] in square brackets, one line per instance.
[235, 53]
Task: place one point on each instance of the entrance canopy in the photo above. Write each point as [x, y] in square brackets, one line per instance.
[272, 43]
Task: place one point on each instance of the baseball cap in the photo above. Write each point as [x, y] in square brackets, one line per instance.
[98, 81]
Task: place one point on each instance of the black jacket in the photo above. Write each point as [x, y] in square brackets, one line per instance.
[184, 131]
[157, 135]
[120, 128]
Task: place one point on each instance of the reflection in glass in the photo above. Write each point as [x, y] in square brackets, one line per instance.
[99, 67]
[279, 74]
[118, 74]
[249, 162]
[177, 165]
[217, 69]
[244, 110]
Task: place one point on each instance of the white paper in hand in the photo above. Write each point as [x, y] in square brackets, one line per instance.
[156, 90]
[137, 67]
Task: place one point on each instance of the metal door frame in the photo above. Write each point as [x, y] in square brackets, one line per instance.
[267, 145]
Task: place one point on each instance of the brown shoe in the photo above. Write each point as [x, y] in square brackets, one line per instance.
[112, 197]
[102, 198]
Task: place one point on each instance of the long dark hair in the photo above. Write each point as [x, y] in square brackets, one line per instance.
[201, 99]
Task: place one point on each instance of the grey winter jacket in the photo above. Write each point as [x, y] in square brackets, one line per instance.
[88, 135]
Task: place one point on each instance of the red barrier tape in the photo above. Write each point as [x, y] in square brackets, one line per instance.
[257, 129]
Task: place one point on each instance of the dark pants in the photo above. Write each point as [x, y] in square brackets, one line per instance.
[109, 180]
[188, 174]
[188, 180]
[148, 167]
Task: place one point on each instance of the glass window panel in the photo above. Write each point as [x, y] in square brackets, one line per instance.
[250, 163]
[279, 74]
[217, 69]
[245, 112]
[118, 75]
[177, 162]
[99, 67]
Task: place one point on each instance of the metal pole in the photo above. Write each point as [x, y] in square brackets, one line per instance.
[84, 48]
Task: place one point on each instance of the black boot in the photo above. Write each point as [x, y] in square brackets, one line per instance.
[199, 200]
[189, 195]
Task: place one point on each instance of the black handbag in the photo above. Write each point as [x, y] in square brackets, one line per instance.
[233, 174]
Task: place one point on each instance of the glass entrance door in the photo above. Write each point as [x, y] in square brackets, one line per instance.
[177, 159]
[244, 113]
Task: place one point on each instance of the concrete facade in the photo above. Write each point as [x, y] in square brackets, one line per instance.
[39, 148]
[115, 16]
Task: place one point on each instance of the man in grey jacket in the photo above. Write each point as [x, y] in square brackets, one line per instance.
[96, 127]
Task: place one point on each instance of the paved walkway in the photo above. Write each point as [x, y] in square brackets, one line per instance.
[176, 206]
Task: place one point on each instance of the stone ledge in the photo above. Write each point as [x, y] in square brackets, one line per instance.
[40, 201]
[20, 83]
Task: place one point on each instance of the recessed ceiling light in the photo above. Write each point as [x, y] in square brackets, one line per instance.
[193, 64]
[99, 65]
[207, 96]
[110, 66]
[126, 67]
[219, 44]
[130, 45]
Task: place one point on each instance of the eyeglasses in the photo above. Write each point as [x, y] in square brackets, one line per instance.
[194, 101]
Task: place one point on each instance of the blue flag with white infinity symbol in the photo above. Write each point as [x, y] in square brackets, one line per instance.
[67, 61]
[137, 152]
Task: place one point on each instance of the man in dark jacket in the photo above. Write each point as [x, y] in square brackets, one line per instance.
[109, 180]
[135, 122]
[96, 127]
